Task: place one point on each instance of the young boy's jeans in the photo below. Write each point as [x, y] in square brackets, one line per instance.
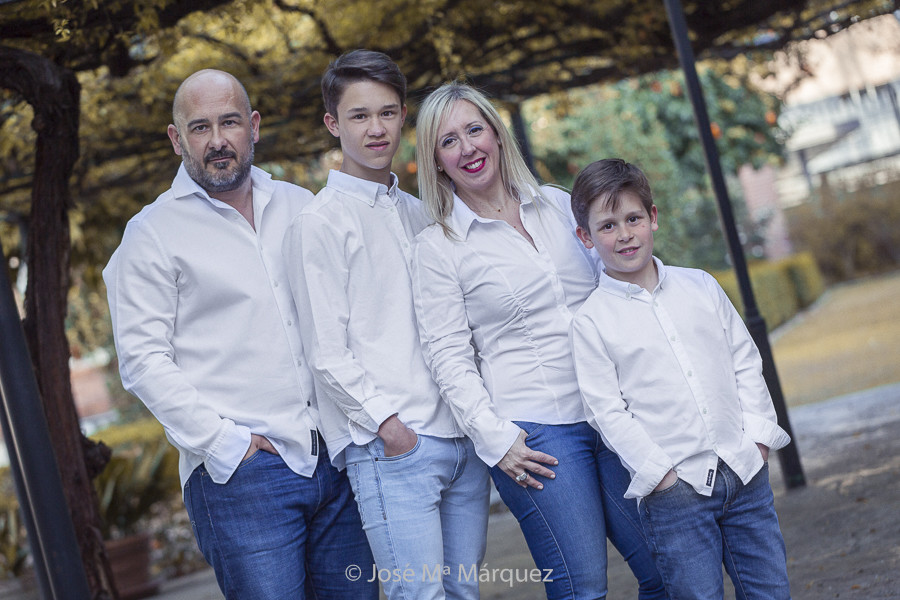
[422, 510]
[693, 535]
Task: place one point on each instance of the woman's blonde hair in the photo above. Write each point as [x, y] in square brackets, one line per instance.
[435, 188]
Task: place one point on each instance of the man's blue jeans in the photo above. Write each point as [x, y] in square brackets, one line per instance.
[272, 534]
[566, 523]
[693, 535]
[425, 513]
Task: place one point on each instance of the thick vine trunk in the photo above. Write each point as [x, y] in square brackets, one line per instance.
[54, 94]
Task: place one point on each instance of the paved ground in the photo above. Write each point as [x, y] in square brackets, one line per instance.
[842, 529]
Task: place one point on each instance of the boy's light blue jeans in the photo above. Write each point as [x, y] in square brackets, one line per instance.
[693, 535]
[271, 534]
[425, 513]
[566, 523]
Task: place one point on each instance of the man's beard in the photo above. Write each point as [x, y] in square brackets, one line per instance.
[222, 180]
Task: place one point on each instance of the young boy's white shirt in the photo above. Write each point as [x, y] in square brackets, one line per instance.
[672, 380]
[348, 256]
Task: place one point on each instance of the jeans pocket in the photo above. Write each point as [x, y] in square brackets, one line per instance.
[530, 428]
[406, 454]
[665, 490]
[254, 458]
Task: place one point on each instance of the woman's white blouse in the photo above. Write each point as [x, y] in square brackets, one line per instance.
[494, 313]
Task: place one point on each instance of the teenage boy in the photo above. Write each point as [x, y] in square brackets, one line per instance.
[672, 380]
[205, 330]
[422, 492]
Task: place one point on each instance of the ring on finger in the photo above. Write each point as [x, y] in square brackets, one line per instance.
[522, 477]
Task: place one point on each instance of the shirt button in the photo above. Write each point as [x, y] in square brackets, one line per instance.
[690, 373]
[275, 283]
[290, 322]
[672, 338]
[704, 411]
[308, 403]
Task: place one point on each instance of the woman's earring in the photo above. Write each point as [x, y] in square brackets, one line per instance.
[439, 168]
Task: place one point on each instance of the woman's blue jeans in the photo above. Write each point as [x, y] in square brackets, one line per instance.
[566, 523]
[271, 534]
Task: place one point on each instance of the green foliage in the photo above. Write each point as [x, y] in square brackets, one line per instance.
[851, 234]
[649, 121]
[806, 277]
[143, 471]
[141, 476]
[13, 542]
[781, 288]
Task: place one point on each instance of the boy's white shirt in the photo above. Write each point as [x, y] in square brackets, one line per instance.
[673, 380]
[348, 258]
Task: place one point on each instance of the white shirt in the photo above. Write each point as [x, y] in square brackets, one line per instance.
[673, 380]
[494, 314]
[205, 327]
[348, 254]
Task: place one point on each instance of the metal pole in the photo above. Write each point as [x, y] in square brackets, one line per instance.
[788, 456]
[35, 469]
[521, 135]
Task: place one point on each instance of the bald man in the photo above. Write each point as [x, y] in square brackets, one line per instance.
[207, 337]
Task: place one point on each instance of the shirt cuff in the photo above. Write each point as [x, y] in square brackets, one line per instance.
[763, 431]
[649, 474]
[227, 452]
[492, 445]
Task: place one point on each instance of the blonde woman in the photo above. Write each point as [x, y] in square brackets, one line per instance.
[496, 280]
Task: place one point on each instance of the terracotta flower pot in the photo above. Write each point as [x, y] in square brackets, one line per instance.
[129, 558]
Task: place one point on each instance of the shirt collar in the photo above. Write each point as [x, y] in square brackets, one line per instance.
[631, 290]
[184, 187]
[362, 189]
[462, 217]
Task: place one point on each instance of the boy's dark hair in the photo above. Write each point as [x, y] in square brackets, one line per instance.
[604, 181]
[360, 65]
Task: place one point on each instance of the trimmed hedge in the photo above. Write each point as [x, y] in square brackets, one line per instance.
[781, 288]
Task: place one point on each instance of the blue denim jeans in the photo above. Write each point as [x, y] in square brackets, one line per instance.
[272, 534]
[566, 523]
[693, 535]
[423, 511]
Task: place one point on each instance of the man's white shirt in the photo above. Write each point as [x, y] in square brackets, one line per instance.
[206, 331]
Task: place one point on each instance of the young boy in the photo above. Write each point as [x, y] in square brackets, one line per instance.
[421, 491]
[672, 380]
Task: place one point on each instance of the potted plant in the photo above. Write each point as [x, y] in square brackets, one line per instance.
[141, 473]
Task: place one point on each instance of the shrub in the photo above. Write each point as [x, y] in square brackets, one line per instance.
[143, 471]
[142, 474]
[780, 288]
[13, 541]
[806, 276]
[851, 234]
